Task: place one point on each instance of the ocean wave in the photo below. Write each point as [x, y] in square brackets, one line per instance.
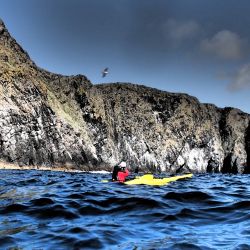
[77, 211]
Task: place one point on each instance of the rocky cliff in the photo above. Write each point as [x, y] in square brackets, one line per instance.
[53, 120]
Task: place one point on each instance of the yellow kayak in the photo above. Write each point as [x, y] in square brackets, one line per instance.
[149, 179]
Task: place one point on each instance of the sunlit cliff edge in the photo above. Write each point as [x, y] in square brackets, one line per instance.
[65, 122]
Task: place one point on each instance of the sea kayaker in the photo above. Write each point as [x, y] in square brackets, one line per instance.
[120, 172]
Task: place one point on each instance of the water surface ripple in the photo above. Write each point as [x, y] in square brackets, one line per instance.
[57, 210]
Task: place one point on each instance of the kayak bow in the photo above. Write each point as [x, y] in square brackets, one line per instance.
[149, 179]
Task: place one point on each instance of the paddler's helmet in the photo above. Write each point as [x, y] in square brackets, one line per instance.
[123, 165]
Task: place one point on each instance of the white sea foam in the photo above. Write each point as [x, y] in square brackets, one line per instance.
[99, 172]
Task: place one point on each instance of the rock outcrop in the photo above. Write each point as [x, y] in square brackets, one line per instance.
[53, 120]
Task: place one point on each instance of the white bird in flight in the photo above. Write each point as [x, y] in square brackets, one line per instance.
[105, 72]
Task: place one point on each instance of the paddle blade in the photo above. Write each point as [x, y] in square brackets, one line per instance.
[104, 181]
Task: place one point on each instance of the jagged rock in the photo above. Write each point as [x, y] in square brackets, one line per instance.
[54, 120]
[213, 166]
[2, 27]
[247, 149]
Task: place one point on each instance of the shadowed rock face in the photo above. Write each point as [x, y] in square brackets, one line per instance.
[247, 148]
[55, 120]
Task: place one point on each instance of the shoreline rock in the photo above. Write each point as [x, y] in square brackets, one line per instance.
[9, 166]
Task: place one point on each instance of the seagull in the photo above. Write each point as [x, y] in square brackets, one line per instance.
[105, 72]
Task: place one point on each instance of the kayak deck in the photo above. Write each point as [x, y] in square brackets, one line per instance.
[149, 179]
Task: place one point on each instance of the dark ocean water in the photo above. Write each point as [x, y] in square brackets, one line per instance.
[57, 210]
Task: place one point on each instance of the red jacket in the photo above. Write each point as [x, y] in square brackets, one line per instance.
[121, 176]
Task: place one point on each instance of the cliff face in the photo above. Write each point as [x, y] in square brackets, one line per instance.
[54, 120]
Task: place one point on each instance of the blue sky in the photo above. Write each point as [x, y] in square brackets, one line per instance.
[198, 47]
